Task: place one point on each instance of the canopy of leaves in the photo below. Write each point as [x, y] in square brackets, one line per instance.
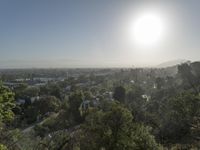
[115, 130]
[6, 104]
[119, 94]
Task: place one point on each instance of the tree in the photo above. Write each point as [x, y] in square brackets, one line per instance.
[181, 115]
[6, 113]
[136, 103]
[75, 100]
[47, 104]
[159, 82]
[88, 95]
[44, 105]
[119, 94]
[30, 92]
[196, 69]
[189, 79]
[19, 90]
[3, 147]
[51, 89]
[115, 130]
[6, 104]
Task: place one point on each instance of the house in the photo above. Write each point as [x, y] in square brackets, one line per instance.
[20, 101]
[68, 88]
[146, 97]
[33, 99]
[86, 105]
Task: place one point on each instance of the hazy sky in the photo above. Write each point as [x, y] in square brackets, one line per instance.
[89, 33]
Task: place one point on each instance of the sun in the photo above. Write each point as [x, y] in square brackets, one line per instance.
[147, 29]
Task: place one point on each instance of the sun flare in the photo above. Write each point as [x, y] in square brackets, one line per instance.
[147, 29]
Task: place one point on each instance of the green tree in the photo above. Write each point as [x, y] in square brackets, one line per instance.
[47, 104]
[31, 92]
[136, 103]
[3, 147]
[75, 100]
[6, 113]
[51, 89]
[119, 94]
[181, 114]
[159, 82]
[19, 91]
[189, 79]
[115, 130]
[6, 104]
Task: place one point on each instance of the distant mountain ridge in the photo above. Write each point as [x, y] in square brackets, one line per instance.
[172, 63]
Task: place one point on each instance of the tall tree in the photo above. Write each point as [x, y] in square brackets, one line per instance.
[6, 113]
[115, 130]
[189, 79]
[75, 101]
[119, 94]
[6, 104]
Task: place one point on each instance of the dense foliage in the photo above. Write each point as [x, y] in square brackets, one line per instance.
[101, 109]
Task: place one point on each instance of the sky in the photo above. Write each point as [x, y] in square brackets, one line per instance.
[94, 33]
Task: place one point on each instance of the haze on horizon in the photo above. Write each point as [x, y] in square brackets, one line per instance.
[94, 33]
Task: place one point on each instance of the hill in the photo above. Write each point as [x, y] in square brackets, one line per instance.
[172, 63]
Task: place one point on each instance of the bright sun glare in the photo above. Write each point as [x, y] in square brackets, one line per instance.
[147, 29]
